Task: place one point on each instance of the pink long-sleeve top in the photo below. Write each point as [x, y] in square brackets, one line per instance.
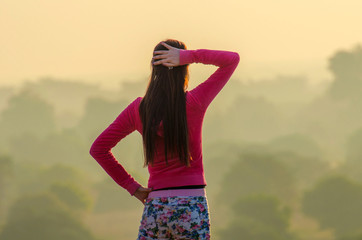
[197, 101]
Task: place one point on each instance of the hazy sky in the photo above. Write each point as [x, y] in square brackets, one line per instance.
[108, 40]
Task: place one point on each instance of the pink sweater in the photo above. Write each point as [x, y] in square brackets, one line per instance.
[197, 101]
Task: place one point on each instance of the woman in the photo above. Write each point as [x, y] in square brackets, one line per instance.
[169, 118]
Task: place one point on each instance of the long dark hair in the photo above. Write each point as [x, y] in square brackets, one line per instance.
[164, 108]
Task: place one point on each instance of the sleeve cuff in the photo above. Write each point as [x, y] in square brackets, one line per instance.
[133, 188]
[186, 56]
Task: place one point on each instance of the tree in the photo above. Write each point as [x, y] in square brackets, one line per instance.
[67, 96]
[98, 113]
[257, 172]
[251, 118]
[43, 216]
[6, 174]
[352, 166]
[111, 197]
[298, 143]
[347, 73]
[353, 147]
[35, 178]
[335, 202]
[72, 195]
[357, 236]
[27, 113]
[258, 217]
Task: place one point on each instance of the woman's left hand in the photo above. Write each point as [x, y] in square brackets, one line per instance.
[142, 193]
[168, 58]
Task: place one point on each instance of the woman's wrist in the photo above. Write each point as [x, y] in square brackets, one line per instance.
[186, 56]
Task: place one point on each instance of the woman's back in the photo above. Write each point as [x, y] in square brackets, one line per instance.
[197, 102]
[170, 214]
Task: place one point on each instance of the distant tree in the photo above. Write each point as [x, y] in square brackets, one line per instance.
[132, 89]
[43, 216]
[353, 164]
[357, 236]
[72, 195]
[335, 202]
[34, 177]
[5, 94]
[6, 175]
[66, 146]
[248, 118]
[302, 155]
[31, 147]
[347, 74]
[332, 116]
[98, 114]
[353, 147]
[304, 169]
[77, 92]
[257, 172]
[61, 172]
[6, 172]
[298, 143]
[280, 89]
[27, 113]
[220, 156]
[258, 217]
[111, 197]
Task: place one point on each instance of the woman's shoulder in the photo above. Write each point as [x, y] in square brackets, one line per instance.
[137, 101]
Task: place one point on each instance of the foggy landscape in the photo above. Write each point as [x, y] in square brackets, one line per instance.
[282, 158]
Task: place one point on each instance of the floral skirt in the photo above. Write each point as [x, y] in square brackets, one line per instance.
[175, 217]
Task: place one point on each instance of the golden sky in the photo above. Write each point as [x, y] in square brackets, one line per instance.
[109, 40]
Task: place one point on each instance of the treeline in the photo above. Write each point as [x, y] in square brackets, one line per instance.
[282, 160]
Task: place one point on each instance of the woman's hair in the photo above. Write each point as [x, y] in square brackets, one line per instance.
[163, 108]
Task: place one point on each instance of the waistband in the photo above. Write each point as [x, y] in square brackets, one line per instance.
[178, 192]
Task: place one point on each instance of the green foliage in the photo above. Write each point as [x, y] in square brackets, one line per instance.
[112, 197]
[279, 89]
[257, 172]
[6, 177]
[305, 170]
[357, 236]
[335, 202]
[73, 196]
[352, 166]
[34, 178]
[65, 146]
[67, 96]
[258, 217]
[99, 113]
[6, 169]
[346, 69]
[215, 169]
[251, 118]
[43, 216]
[27, 113]
[264, 209]
[298, 143]
[353, 147]
[61, 172]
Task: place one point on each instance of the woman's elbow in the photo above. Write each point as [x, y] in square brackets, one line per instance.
[236, 57]
[94, 151]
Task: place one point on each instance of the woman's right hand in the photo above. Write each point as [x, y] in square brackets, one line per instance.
[142, 193]
[169, 58]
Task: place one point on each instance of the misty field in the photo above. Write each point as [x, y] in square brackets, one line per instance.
[282, 158]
